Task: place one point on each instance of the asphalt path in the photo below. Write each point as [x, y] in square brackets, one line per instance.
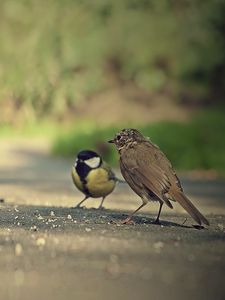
[50, 250]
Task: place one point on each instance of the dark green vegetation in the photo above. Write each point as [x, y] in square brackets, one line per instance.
[56, 54]
[198, 144]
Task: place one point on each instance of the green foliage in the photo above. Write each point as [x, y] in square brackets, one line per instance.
[199, 144]
[56, 53]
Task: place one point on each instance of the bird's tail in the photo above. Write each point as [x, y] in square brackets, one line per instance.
[112, 176]
[120, 180]
[189, 207]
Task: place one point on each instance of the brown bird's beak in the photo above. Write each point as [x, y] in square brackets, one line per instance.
[111, 141]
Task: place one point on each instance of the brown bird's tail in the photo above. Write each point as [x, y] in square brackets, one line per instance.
[189, 207]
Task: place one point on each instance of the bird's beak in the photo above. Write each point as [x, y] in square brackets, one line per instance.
[111, 141]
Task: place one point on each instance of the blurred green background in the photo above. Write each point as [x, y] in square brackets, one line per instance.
[78, 71]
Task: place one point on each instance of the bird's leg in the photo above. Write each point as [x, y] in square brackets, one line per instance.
[101, 204]
[128, 219]
[160, 208]
[79, 204]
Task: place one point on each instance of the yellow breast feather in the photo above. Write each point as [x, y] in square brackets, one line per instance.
[76, 179]
[99, 184]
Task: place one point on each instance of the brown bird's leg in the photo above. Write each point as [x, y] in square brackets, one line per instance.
[79, 204]
[101, 204]
[128, 219]
[160, 208]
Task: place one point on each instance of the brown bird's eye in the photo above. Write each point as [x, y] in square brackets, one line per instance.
[118, 137]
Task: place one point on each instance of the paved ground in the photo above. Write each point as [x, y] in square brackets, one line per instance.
[49, 250]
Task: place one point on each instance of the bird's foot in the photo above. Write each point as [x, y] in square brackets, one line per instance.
[78, 207]
[156, 222]
[127, 221]
[199, 227]
[101, 207]
[123, 222]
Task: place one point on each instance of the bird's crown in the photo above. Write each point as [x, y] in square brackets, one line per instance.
[126, 136]
[89, 157]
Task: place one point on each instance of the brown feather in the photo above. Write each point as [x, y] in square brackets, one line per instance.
[189, 207]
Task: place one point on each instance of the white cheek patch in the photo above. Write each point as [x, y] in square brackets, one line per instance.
[75, 164]
[93, 162]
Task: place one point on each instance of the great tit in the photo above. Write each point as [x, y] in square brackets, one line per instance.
[93, 176]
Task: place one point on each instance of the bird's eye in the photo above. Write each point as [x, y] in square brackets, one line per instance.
[118, 137]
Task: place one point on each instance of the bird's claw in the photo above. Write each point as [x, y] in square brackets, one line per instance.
[127, 221]
[78, 207]
[156, 222]
[124, 222]
[101, 207]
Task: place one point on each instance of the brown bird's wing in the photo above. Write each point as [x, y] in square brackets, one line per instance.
[155, 171]
[139, 174]
[136, 185]
[175, 191]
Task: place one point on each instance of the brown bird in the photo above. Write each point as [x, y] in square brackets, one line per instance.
[150, 174]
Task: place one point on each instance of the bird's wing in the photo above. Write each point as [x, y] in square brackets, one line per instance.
[159, 159]
[130, 179]
[111, 174]
[146, 172]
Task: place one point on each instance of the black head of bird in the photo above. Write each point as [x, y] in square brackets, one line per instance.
[92, 176]
[150, 174]
[87, 160]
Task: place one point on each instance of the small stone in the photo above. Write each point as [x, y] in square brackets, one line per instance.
[221, 227]
[69, 217]
[40, 217]
[34, 228]
[87, 229]
[18, 249]
[51, 220]
[40, 242]
[2, 200]
[158, 246]
[52, 214]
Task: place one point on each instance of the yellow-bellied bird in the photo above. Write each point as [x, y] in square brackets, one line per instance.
[93, 176]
